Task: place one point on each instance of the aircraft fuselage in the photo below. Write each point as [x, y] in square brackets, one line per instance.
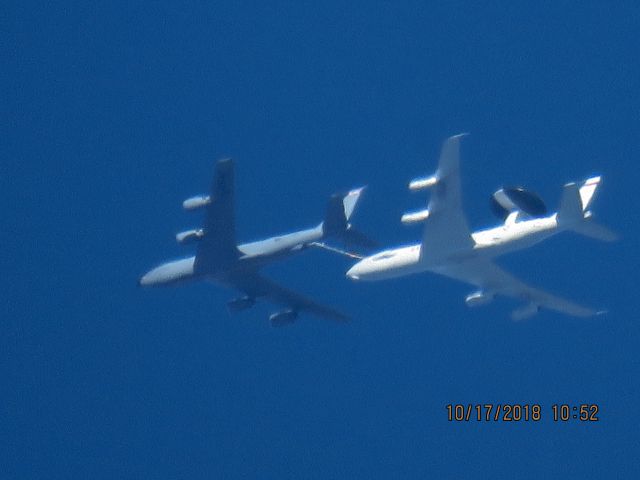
[252, 255]
[488, 243]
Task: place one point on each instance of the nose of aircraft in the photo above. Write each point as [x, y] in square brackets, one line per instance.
[354, 272]
[143, 280]
[152, 277]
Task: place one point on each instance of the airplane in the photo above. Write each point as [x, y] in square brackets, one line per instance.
[448, 247]
[218, 258]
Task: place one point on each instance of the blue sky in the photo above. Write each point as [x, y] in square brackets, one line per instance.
[115, 112]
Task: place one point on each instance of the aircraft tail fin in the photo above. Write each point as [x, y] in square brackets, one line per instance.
[340, 209]
[587, 191]
[574, 214]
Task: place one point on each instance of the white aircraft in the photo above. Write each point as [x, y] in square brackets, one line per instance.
[448, 247]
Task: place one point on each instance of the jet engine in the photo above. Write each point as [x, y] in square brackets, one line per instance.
[189, 236]
[197, 202]
[422, 183]
[238, 304]
[525, 312]
[414, 217]
[511, 199]
[283, 318]
[478, 298]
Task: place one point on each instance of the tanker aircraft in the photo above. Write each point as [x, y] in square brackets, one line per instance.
[449, 248]
[218, 258]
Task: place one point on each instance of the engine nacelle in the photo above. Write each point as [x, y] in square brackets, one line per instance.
[238, 304]
[478, 298]
[422, 183]
[189, 236]
[197, 202]
[525, 312]
[283, 318]
[414, 217]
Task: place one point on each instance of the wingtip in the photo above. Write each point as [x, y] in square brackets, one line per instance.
[226, 162]
[461, 135]
[357, 190]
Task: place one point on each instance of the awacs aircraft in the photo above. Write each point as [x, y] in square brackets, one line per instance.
[220, 259]
[448, 247]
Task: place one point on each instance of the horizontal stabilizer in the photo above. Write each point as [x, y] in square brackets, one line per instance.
[355, 238]
[589, 228]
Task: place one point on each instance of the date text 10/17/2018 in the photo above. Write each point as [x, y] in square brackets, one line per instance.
[497, 412]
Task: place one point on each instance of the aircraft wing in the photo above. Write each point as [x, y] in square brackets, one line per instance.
[217, 247]
[493, 280]
[255, 285]
[446, 229]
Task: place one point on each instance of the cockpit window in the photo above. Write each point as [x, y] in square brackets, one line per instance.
[383, 256]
